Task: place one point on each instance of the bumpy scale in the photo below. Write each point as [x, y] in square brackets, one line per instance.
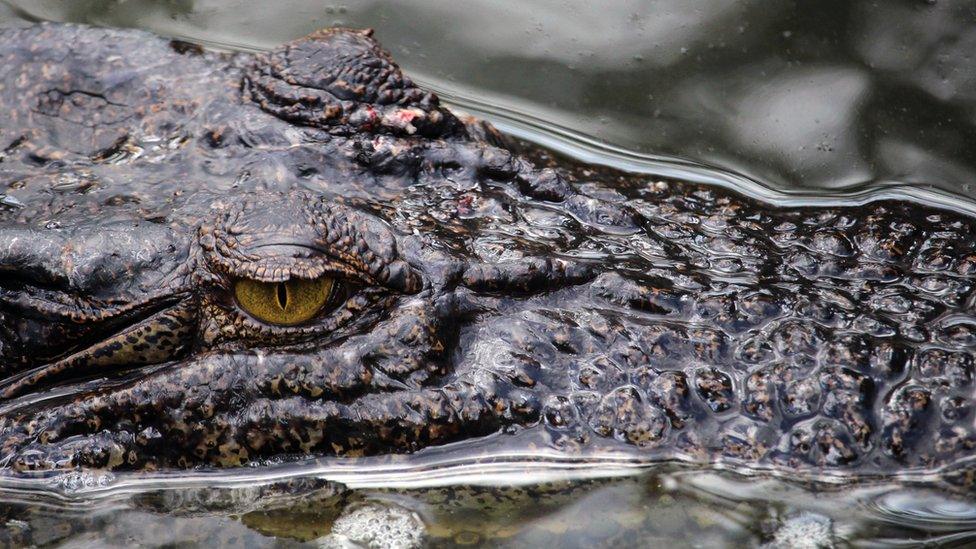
[476, 287]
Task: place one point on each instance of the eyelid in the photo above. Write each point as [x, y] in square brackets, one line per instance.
[245, 241]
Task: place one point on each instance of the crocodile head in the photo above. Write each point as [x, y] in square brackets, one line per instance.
[280, 322]
[151, 318]
[216, 260]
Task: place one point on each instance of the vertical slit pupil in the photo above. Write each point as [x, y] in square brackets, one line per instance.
[282, 295]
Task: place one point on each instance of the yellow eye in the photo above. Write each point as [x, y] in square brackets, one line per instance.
[286, 303]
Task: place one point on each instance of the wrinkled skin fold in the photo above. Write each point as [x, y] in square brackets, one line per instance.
[486, 288]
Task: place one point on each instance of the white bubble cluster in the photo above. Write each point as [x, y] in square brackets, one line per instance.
[804, 531]
[376, 525]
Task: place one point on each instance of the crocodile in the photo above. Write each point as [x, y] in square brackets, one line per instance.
[214, 259]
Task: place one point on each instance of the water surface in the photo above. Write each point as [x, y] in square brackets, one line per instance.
[507, 504]
[809, 97]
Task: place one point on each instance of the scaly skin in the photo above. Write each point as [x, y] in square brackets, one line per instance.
[488, 289]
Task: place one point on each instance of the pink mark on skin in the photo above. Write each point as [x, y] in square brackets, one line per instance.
[465, 204]
[406, 115]
[372, 117]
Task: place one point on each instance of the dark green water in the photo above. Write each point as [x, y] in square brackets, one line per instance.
[832, 95]
[818, 101]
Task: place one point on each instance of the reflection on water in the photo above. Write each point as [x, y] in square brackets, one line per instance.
[839, 95]
[660, 505]
[823, 95]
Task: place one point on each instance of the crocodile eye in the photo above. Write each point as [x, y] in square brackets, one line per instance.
[285, 303]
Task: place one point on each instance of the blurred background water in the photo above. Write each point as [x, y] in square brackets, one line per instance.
[810, 99]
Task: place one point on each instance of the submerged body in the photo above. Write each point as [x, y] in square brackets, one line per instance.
[213, 259]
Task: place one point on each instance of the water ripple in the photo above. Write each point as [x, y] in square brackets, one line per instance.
[930, 511]
[588, 149]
